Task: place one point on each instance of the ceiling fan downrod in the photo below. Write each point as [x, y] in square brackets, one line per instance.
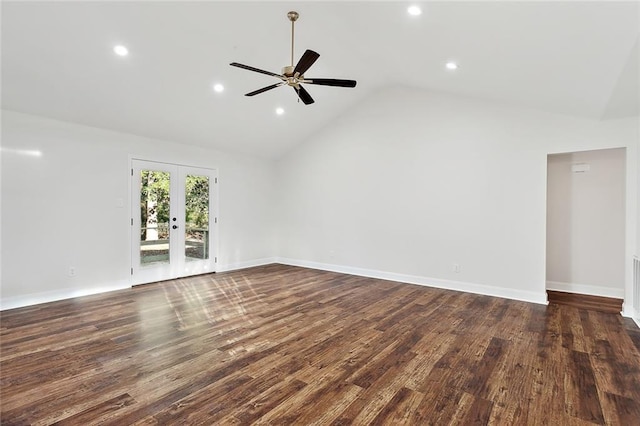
[293, 17]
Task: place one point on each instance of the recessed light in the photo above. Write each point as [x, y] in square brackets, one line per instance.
[218, 88]
[279, 111]
[452, 66]
[121, 50]
[414, 11]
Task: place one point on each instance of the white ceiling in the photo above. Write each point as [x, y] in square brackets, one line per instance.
[576, 58]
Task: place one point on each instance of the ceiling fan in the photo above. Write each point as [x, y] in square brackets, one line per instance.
[294, 76]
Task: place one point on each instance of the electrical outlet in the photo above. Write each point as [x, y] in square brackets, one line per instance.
[72, 271]
[455, 267]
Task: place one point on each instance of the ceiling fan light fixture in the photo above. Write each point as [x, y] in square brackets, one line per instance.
[451, 66]
[294, 76]
[414, 10]
[218, 88]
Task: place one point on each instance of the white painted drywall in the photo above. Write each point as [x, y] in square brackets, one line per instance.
[404, 186]
[70, 206]
[412, 182]
[633, 290]
[586, 223]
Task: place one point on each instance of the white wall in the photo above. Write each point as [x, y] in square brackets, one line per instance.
[413, 182]
[403, 187]
[61, 209]
[585, 223]
[635, 310]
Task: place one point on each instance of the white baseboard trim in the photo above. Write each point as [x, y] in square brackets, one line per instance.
[591, 290]
[487, 290]
[67, 293]
[629, 312]
[522, 295]
[245, 264]
[55, 295]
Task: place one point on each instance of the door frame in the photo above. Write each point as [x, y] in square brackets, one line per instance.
[631, 214]
[213, 212]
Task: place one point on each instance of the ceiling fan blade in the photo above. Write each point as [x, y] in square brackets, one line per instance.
[264, 89]
[305, 62]
[331, 82]
[247, 67]
[304, 96]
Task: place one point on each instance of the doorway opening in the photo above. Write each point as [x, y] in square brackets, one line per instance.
[173, 220]
[586, 223]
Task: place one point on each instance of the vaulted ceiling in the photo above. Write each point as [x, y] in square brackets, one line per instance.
[575, 58]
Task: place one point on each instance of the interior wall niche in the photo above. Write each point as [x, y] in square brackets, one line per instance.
[586, 222]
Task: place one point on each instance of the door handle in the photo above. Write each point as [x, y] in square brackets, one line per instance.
[175, 226]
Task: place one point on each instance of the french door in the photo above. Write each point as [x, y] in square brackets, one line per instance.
[173, 221]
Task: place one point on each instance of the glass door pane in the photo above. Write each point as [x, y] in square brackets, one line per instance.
[154, 217]
[196, 244]
[155, 221]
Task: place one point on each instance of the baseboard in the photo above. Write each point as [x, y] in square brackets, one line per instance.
[589, 302]
[52, 296]
[591, 290]
[627, 311]
[506, 293]
[55, 295]
[245, 264]
[630, 313]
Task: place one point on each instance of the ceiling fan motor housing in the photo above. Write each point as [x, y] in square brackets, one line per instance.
[288, 70]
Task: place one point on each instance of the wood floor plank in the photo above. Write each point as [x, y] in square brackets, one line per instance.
[582, 397]
[479, 413]
[479, 383]
[400, 409]
[620, 410]
[225, 406]
[98, 412]
[265, 402]
[438, 406]
[329, 405]
[286, 345]
[432, 348]
[193, 408]
[398, 357]
[291, 409]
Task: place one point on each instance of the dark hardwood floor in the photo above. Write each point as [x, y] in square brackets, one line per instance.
[585, 301]
[287, 345]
